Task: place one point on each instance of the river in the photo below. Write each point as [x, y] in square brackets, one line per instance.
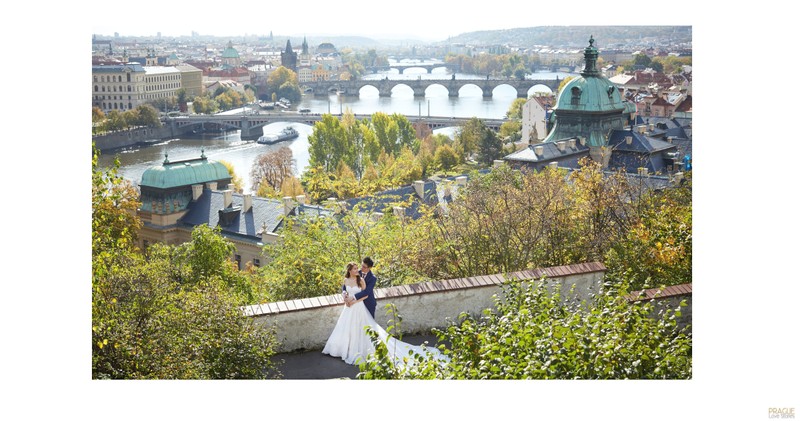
[242, 154]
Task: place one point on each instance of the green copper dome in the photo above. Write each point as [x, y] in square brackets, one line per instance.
[184, 173]
[230, 52]
[592, 91]
[589, 106]
[590, 94]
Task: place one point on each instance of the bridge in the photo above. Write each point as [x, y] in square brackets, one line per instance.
[402, 67]
[251, 125]
[385, 86]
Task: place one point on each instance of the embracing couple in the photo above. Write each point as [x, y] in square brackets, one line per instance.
[348, 339]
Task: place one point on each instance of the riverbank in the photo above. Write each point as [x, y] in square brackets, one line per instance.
[132, 137]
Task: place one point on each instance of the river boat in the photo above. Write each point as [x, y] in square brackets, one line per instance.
[287, 133]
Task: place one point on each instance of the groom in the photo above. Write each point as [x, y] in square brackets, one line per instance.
[369, 280]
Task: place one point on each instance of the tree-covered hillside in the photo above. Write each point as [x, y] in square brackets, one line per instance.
[577, 36]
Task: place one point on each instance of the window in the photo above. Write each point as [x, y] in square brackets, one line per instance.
[239, 262]
[256, 262]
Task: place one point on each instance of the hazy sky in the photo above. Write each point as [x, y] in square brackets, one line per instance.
[429, 20]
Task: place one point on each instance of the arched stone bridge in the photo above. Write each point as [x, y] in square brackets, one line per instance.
[252, 125]
[402, 67]
[385, 86]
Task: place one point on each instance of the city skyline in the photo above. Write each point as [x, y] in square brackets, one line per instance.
[410, 19]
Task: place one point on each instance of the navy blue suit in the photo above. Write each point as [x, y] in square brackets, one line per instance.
[369, 292]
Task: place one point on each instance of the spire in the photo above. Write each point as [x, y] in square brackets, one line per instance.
[305, 45]
[288, 46]
[166, 158]
[590, 57]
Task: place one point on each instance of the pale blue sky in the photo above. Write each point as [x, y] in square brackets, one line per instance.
[429, 20]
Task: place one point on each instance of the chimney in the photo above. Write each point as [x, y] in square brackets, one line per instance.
[376, 216]
[669, 139]
[448, 189]
[642, 170]
[288, 205]
[678, 178]
[212, 185]
[628, 139]
[301, 199]
[419, 187]
[651, 127]
[561, 145]
[553, 165]
[461, 180]
[248, 202]
[399, 211]
[642, 129]
[583, 140]
[268, 237]
[497, 162]
[538, 150]
[571, 143]
[227, 198]
[197, 191]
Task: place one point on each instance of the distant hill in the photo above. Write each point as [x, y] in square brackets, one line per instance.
[578, 36]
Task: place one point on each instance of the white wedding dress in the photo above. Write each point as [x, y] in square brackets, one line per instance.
[350, 341]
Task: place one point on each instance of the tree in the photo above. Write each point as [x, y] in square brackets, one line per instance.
[271, 169]
[327, 143]
[115, 120]
[174, 314]
[515, 109]
[236, 182]
[182, 99]
[470, 134]
[490, 147]
[657, 248]
[386, 132]
[534, 333]
[146, 115]
[205, 105]
[97, 118]
[446, 157]
[291, 187]
[283, 83]
[114, 223]
[511, 131]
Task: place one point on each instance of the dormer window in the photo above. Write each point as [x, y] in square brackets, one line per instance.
[576, 95]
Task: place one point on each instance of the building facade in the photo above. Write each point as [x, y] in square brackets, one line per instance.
[124, 87]
[534, 118]
[178, 196]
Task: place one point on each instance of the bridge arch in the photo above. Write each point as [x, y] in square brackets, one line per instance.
[540, 87]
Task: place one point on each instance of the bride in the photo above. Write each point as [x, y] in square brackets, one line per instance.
[348, 339]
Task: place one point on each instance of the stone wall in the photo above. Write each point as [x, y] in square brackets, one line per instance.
[306, 324]
[669, 298]
[126, 138]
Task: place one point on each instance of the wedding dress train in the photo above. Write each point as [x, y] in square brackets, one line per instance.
[350, 341]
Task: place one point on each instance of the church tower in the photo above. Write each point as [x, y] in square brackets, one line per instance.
[289, 57]
[589, 108]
